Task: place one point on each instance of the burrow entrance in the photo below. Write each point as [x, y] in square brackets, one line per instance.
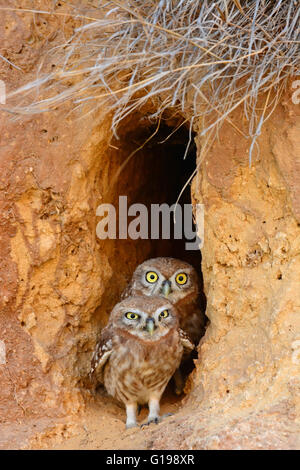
[156, 162]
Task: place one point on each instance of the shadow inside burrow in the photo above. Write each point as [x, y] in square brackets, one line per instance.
[160, 161]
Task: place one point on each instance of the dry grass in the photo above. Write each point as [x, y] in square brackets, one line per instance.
[196, 57]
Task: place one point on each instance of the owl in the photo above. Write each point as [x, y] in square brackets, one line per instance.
[138, 352]
[178, 282]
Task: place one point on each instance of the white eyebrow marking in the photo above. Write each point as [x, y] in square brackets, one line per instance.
[133, 310]
[161, 309]
[183, 270]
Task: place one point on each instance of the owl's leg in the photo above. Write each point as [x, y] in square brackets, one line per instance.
[153, 416]
[131, 415]
[154, 407]
[179, 382]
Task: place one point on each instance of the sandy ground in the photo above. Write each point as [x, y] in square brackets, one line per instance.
[101, 426]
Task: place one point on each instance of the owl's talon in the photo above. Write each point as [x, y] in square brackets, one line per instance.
[150, 421]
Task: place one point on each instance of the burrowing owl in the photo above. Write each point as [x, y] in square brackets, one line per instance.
[177, 281]
[138, 352]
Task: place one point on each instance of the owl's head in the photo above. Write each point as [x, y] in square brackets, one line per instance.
[166, 277]
[147, 318]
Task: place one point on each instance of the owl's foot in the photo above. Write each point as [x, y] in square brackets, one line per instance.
[131, 425]
[131, 415]
[155, 420]
[153, 416]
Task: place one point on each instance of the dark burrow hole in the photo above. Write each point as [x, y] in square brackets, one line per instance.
[155, 174]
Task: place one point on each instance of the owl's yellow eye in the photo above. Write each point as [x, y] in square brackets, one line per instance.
[181, 279]
[131, 316]
[151, 277]
[164, 314]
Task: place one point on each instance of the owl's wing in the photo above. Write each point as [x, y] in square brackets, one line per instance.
[101, 354]
[126, 292]
[185, 341]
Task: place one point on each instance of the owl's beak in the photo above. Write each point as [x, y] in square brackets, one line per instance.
[150, 325]
[166, 288]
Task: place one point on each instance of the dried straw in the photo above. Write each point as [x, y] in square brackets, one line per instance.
[196, 57]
